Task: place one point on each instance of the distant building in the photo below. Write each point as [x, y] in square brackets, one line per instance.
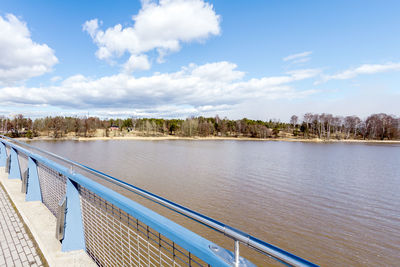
[114, 128]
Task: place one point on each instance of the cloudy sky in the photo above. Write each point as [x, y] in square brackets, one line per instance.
[178, 58]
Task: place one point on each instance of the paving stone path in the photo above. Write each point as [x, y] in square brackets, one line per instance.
[16, 247]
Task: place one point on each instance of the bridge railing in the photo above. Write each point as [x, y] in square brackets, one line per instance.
[113, 229]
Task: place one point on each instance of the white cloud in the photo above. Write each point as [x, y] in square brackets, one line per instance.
[191, 90]
[299, 57]
[140, 62]
[219, 71]
[162, 26]
[20, 57]
[91, 26]
[301, 60]
[304, 73]
[363, 69]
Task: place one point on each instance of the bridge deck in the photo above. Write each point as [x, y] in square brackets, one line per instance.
[17, 247]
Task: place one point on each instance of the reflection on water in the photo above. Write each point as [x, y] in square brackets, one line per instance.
[333, 204]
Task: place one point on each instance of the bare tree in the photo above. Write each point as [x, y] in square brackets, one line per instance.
[308, 117]
[294, 120]
[350, 125]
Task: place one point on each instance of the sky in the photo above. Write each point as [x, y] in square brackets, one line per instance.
[180, 58]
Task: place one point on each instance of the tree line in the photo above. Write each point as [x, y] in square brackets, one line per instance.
[324, 126]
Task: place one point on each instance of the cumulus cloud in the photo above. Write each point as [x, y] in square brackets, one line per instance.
[192, 89]
[363, 69]
[140, 62]
[161, 26]
[20, 57]
[91, 27]
[299, 57]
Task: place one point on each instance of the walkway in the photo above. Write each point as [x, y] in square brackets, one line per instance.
[17, 248]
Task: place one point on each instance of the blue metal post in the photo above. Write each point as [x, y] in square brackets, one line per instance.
[3, 154]
[74, 238]
[33, 192]
[15, 172]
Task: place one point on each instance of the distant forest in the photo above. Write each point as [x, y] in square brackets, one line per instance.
[324, 126]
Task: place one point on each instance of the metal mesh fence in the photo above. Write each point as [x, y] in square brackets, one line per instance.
[53, 187]
[115, 238]
[23, 162]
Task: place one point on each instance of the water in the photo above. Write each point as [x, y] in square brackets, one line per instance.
[334, 204]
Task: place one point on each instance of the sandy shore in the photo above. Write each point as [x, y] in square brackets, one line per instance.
[169, 137]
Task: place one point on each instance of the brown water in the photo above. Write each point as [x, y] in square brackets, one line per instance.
[333, 204]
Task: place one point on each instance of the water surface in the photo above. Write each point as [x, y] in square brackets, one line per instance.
[334, 204]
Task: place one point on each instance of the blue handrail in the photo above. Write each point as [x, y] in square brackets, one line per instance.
[236, 234]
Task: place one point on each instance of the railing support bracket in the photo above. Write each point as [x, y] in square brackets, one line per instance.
[33, 192]
[15, 172]
[74, 238]
[3, 154]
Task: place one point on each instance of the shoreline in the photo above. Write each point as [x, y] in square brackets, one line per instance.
[214, 138]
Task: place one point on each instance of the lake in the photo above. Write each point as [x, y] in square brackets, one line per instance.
[331, 203]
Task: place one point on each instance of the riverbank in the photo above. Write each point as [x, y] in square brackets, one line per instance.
[213, 138]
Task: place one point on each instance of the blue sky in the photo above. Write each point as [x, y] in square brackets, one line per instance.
[257, 59]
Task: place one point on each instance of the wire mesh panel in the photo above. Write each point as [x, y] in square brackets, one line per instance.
[53, 187]
[115, 238]
[23, 162]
